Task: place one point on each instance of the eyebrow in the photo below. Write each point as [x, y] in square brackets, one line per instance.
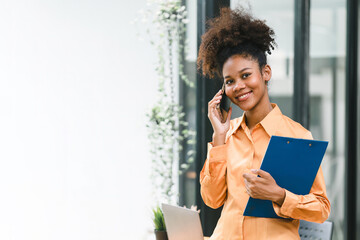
[242, 70]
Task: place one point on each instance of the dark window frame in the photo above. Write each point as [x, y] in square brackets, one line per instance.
[352, 217]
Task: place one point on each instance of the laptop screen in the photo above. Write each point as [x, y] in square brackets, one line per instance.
[182, 223]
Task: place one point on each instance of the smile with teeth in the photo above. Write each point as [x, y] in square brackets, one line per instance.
[244, 96]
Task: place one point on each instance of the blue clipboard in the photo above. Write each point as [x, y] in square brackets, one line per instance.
[293, 163]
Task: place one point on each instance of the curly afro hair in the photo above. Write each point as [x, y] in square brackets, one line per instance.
[234, 32]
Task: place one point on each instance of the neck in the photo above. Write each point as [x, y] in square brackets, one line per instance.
[256, 116]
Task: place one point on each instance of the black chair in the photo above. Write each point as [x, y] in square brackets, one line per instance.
[315, 231]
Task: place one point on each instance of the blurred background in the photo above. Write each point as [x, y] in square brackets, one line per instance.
[76, 80]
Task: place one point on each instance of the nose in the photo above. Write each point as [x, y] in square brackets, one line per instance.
[239, 84]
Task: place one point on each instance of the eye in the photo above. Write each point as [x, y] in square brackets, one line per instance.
[245, 75]
[229, 81]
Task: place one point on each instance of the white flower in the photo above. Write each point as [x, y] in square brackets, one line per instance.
[183, 165]
[185, 20]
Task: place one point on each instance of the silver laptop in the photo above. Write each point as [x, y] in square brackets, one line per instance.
[182, 223]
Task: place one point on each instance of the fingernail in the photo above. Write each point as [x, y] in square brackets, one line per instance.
[254, 170]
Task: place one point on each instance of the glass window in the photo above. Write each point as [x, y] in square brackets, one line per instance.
[188, 100]
[327, 97]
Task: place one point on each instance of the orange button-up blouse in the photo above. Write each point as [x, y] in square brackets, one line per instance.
[222, 183]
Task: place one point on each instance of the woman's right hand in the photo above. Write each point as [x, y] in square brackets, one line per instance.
[220, 119]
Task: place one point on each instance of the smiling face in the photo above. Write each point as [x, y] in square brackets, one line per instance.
[245, 84]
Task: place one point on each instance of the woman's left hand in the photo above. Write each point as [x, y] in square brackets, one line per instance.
[263, 187]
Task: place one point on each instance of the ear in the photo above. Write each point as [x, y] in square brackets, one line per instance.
[266, 72]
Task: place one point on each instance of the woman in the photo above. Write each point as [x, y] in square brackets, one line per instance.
[235, 48]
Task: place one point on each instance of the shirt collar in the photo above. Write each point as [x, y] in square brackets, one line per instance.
[269, 123]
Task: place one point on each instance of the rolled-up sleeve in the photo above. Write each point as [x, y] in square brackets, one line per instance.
[313, 207]
[213, 176]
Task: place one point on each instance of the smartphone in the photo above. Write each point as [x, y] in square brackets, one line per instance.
[225, 101]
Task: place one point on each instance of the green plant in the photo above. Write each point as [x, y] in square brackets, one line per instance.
[167, 128]
[158, 219]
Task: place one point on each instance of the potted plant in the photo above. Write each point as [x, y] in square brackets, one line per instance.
[159, 224]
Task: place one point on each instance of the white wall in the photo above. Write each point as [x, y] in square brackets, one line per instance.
[74, 86]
